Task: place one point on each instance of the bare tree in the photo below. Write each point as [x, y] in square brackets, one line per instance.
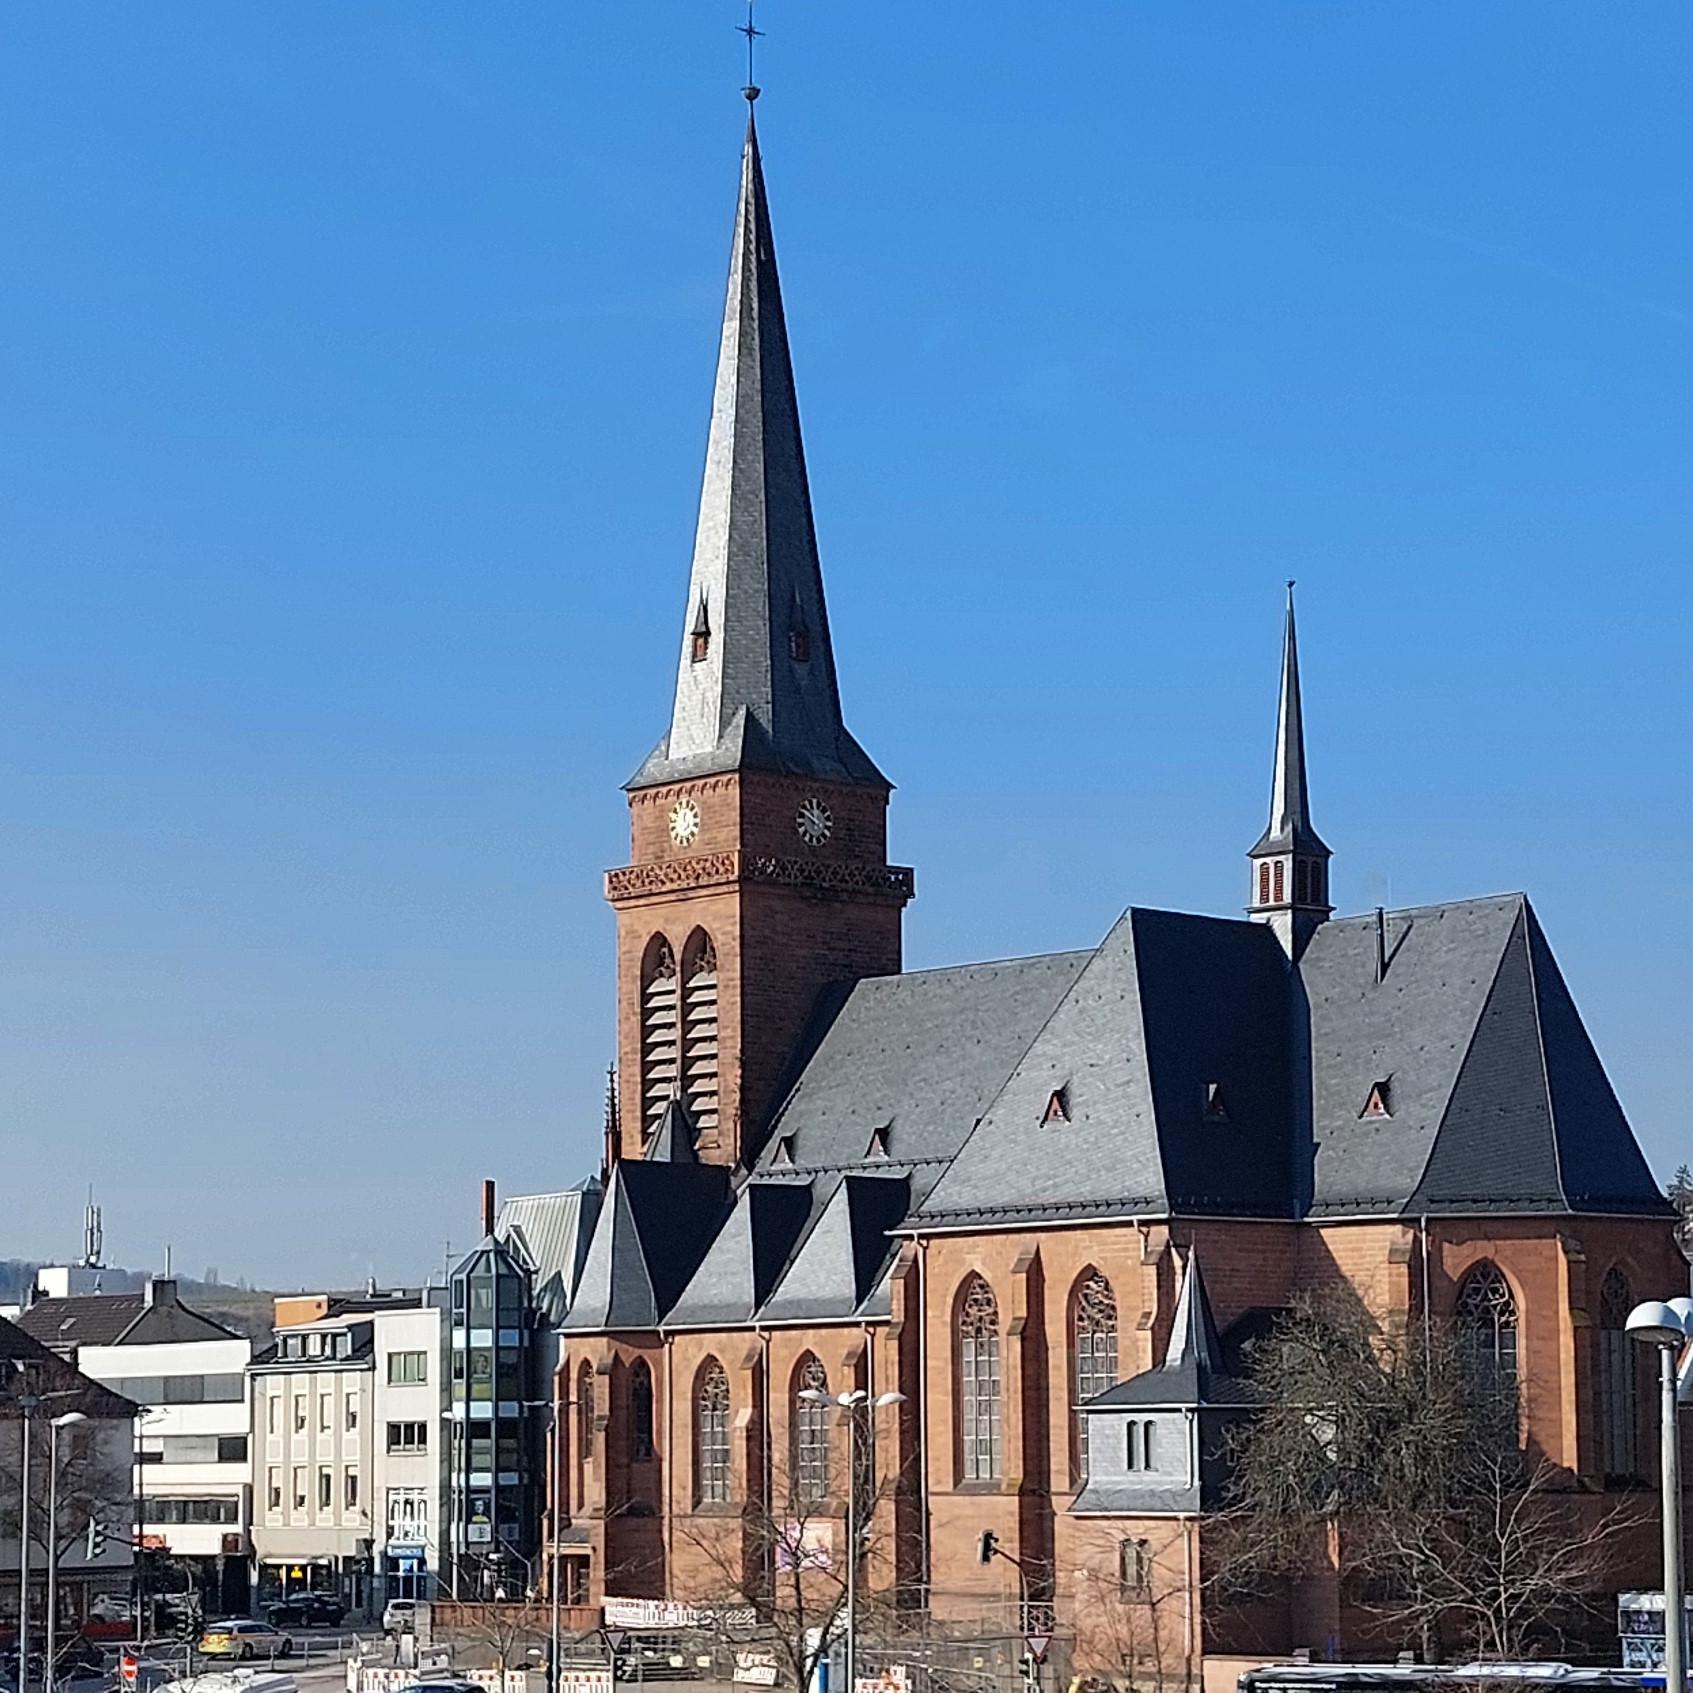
[1681, 1197]
[785, 1563]
[1130, 1622]
[95, 1481]
[1403, 1451]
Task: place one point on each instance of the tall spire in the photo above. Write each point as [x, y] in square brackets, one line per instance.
[755, 684]
[1290, 862]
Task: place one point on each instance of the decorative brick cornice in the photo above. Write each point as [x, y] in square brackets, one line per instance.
[887, 882]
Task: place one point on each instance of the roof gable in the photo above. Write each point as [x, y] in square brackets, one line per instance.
[1169, 1007]
[749, 1254]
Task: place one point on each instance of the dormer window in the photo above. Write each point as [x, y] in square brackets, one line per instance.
[785, 1151]
[1216, 1107]
[1379, 1102]
[878, 1147]
[799, 644]
[699, 638]
[1057, 1106]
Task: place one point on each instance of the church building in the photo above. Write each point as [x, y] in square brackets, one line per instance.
[1008, 1191]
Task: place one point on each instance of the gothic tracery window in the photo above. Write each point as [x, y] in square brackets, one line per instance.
[1094, 1352]
[659, 1030]
[978, 1382]
[1487, 1330]
[810, 1423]
[640, 1412]
[711, 1435]
[1619, 1380]
[699, 1032]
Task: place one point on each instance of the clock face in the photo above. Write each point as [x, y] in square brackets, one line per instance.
[684, 822]
[815, 822]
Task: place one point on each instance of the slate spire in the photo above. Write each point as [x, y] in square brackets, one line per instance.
[1290, 876]
[755, 684]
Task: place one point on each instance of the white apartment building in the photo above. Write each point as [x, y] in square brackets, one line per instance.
[346, 1440]
[193, 1495]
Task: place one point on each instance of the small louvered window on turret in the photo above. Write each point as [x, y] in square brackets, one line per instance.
[799, 644]
[1216, 1107]
[699, 638]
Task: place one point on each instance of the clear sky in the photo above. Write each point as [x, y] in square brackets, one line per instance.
[354, 372]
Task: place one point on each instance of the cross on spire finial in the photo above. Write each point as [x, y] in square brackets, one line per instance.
[752, 33]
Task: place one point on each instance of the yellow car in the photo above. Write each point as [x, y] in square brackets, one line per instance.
[245, 1638]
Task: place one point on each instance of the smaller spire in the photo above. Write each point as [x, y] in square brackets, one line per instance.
[1290, 863]
[1193, 1330]
[1290, 796]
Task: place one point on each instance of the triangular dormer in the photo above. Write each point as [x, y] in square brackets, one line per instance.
[1057, 1106]
[878, 1147]
[1216, 1106]
[1379, 1102]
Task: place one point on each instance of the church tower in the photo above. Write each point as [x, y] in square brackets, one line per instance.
[1290, 863]
[758, 826]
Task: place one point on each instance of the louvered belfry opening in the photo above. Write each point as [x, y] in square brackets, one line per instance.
[659, 1044]
[699, 1032]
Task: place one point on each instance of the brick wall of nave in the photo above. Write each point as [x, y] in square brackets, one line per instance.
[1555, 1268]
[697, 1548]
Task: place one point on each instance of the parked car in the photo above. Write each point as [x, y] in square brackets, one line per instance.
[399, 1616]
[243, 1637]
[306, 1609]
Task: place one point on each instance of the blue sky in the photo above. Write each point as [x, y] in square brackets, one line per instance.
[354, 370]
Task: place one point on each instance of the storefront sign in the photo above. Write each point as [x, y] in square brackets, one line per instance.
[755, 1668]
[584, 1681]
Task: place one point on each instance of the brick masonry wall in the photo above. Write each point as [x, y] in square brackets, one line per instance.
[777, 945]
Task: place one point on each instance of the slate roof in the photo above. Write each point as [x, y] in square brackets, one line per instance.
[920, 1056]
[1199, 1073]
[763, 693]
[1498, 1101]
[116, 1319]
[654, 1229]
[1169, 1007]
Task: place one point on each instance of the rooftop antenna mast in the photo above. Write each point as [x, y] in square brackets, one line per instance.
[752, 33]
[93, 1234]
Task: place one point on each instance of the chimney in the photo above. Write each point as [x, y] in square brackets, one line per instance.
[487, 1208]
[161, 1290]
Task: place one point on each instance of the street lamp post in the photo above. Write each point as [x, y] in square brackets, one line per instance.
[68, 1420]
[1665, 1327]
[27, 1403]
[852, 1403]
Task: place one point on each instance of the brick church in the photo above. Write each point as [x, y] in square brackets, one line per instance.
[1010, 1190]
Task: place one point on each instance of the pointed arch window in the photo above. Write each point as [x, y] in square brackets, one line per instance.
[659, 1030]
[1302, 881]
[1263, 884]
[977, 1376]
[699, 1032]
[799, 644]
[1281, 880]
[809, 1419]
[640, 1412]
[1093, 1343]
[1487, 1330]
[584, 1429]
[711, 1435]
[1619, 1380]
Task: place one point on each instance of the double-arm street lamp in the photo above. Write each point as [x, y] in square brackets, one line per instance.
[852, 1403]
[1669, 1326]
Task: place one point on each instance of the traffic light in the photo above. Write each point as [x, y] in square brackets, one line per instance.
[989, 1543]
[96, 1539]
